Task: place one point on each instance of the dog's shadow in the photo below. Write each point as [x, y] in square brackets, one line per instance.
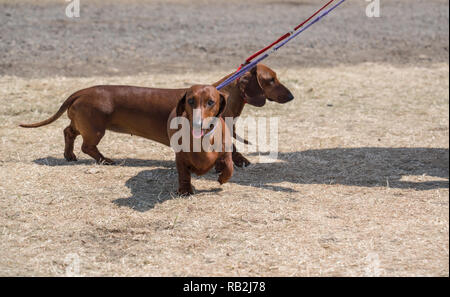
[126, 162]
[150, 187]
[402, 168]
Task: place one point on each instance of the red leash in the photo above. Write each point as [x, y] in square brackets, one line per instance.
[291, 35]
[248, 60]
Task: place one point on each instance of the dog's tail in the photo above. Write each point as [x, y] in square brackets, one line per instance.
[54, 117]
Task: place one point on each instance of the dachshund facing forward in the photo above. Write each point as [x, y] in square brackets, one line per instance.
[144, 111]
[201, 105]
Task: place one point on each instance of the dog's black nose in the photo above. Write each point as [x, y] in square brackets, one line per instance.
[290, 97]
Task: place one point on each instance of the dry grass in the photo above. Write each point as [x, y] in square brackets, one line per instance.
[361, 188]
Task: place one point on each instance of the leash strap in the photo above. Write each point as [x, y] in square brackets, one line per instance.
[249, 59]
[284, 39]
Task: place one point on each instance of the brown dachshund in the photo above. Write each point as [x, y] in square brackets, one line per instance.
[209, 105]
[253, 88]
[144, 111]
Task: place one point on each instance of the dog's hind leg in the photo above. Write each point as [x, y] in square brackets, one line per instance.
[89, 146]
[69, 137]
[89, 120]
[92, 132]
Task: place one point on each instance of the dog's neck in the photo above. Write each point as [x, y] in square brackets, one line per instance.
[235, 101]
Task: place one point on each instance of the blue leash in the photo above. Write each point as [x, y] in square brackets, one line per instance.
[252, 64]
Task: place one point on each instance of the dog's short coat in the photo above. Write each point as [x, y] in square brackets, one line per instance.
[211, 104]
[144, 111]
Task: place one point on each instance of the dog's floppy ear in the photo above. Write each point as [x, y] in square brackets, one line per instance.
[223, 103]
[251, 89]
[180, 105]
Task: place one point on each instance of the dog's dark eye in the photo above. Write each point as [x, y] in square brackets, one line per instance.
[210, 102]
[191, 102]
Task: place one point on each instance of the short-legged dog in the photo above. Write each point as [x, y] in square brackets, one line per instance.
[144, 111]
[202, 106]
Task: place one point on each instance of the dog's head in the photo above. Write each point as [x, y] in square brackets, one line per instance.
[201, 104]
[260, 83]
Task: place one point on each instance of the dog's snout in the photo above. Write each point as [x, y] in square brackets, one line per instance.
[197, 120]
[197, 123]
[290, 97]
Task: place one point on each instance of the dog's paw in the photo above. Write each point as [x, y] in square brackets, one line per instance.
[106, 161]
[70, 157]
[240, 161]
[185, 191]
[223, 178]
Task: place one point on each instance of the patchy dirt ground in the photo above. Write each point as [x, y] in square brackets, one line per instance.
[125, 37]
[360, 188]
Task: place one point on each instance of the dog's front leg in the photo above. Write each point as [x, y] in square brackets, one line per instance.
[184, 177]
[238, 159]
[225, 163]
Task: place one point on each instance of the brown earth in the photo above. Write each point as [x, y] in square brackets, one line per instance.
[124, 37]
[360, 187]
